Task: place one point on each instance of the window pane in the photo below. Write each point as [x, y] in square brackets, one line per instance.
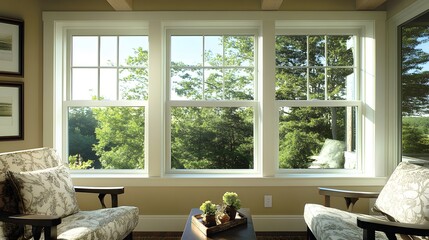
[211, 138]
[186, 84]
[108, 51]
[291, 84]
[291, 51]
[317, 83]
[133, 84]
[133, 51]
[213, 51]
[85, 51]
[239, 51]
[186, 51]
[316, 45]
[231, 76]
[239, 84]
[108, 84]
[340, 50]
[306, 137]
[84, 84]
[214, 85]
[341, 84]
[319, 79]
[106, 138]
[415, 90]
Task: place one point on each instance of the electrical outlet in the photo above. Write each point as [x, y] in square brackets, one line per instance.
[268, 201]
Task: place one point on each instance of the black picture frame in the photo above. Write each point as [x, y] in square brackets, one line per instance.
[11, 47]
[11, 111]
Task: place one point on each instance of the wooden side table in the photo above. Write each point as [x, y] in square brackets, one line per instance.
[240, 232]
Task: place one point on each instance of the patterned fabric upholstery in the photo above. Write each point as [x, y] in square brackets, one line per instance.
[405, 197]
[109, 223]
[102, 224]
[48, 191]
[330, 223]
[28, 160]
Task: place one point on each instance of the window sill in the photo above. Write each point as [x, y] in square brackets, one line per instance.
[192, 180]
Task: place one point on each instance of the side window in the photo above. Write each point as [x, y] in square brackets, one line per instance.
[415, 89]
[211, 107]
[105, 101]
[316, 93]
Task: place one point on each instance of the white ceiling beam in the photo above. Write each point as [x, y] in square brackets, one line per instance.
[271, 4]
[121, 5]
[368, 4]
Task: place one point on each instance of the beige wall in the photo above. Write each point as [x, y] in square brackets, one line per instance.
[155, 200]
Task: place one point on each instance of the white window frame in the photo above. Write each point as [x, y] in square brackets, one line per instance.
[308, 31]
[211, 31]
[373, 67]
[394, 153]
[67, 102]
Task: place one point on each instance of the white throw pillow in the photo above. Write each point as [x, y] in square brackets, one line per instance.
[47, 192]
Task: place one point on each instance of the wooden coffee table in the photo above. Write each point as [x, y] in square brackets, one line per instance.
[240, 232]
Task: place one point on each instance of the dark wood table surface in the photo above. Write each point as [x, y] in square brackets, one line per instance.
[241, 232]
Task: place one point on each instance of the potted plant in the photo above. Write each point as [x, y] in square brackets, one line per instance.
[209, 213]
[232, 203]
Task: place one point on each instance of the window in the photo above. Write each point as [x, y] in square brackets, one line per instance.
[316, 93]
[105, 101]
[415, 89]
[211, 101]
[245, 96]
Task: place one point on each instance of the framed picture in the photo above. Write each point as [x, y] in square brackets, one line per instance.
[11, 47]
[11, 111]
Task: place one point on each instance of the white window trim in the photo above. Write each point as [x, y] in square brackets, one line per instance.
[310, 28]
[394, 108]
[373, 24]
[181, 30]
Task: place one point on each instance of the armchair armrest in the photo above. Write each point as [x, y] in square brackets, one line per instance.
[38, 222]
[351, 197]
[102, 191]
[371, 225]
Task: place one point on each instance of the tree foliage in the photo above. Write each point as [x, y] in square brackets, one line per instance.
[302, 130]
[414, 89]
[414, 79]
[215, 137]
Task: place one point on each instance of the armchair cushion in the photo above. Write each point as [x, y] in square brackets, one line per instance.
[331, 223]
[106, 224]
[404, 198]
[47, 192]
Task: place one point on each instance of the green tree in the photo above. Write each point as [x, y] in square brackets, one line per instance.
[215, 137]
[302, 130]
[82, 124]
[414, 80]
[120, 130]
[414, 89]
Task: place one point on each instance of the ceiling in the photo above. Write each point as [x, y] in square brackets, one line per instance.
[126, 5]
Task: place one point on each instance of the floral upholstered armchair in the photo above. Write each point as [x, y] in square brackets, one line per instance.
[37, 200]
[403, 204]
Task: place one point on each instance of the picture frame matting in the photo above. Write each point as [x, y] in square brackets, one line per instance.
[11, 111]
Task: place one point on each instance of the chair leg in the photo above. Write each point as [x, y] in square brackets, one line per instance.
[310, 235]
[129, 237]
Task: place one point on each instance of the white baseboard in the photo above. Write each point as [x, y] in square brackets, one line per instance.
[261, 223]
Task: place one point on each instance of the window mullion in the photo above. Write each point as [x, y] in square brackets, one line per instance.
[326, 67]
[308, 68]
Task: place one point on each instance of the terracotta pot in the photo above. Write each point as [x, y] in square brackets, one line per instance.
[231, 211]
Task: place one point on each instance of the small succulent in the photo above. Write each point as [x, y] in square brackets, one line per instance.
[208, 208]
[231, 199]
